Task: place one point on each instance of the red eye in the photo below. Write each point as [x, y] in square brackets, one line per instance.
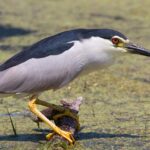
[115, 41]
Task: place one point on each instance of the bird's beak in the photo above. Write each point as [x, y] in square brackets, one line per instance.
[135, 49]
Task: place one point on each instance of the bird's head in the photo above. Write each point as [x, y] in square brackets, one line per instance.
[116, 42]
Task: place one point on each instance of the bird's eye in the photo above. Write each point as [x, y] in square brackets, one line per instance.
[115, 41]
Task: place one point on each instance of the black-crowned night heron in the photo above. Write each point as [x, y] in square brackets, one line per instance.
[55, 61]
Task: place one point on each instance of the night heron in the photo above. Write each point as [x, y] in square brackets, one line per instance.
[55, 61]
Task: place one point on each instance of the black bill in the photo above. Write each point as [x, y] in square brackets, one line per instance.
[136, 49]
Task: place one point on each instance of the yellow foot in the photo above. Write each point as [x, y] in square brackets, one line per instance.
[50, 135]
[32, 105]
[67, 135]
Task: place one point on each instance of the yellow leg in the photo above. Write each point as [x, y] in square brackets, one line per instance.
[63, 111]
[33, 108]
[43, 103]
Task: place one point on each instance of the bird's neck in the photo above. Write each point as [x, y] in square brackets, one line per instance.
[96, 55]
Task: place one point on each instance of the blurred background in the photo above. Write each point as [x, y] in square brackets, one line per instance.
[115, 114]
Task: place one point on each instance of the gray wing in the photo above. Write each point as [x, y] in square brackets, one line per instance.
[33, 75]
[16, 74]
[39, 74]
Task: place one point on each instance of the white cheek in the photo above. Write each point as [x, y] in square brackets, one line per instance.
[119, 49]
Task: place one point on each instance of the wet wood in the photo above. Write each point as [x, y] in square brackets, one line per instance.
[65, 122]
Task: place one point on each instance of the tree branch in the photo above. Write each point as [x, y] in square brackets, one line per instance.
[65, 122]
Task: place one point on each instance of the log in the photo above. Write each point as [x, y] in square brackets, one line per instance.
[65, 122]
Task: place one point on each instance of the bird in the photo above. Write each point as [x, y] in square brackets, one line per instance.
[55, 61]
